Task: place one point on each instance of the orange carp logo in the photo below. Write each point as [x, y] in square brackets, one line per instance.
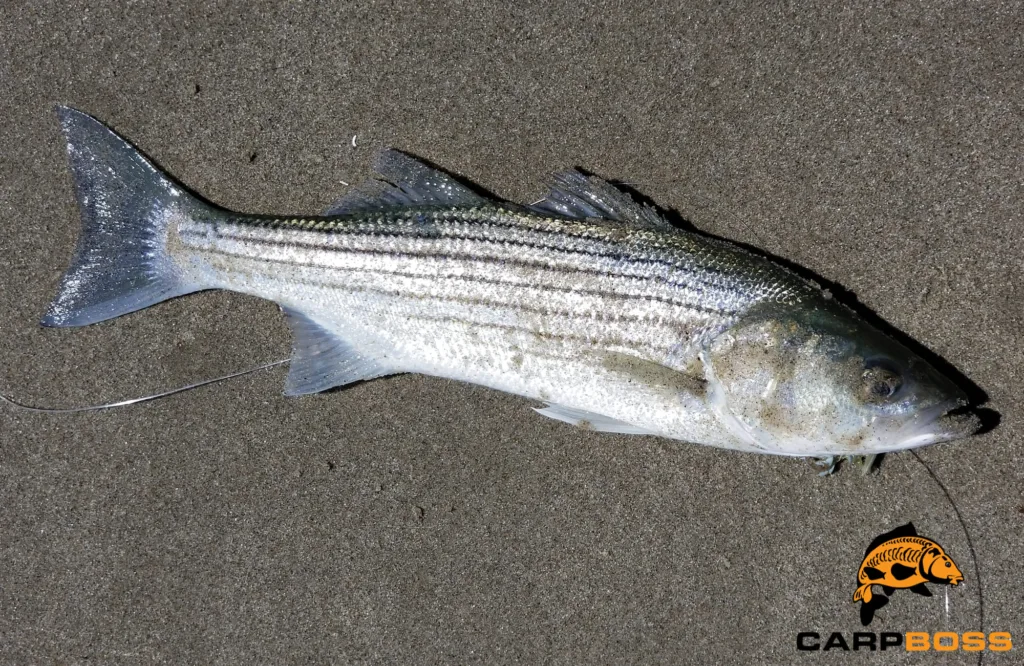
[901, 560]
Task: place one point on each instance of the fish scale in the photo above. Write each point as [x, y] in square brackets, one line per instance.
[588, 301]
[620, 305]
[497, 260]
[515, 301]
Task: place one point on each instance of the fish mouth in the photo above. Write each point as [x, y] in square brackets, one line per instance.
[955, 580]
[945, 422]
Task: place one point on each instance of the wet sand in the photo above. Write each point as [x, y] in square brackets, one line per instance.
[418, 520]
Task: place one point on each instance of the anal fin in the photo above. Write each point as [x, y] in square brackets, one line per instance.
[589, 420]
[322, 360]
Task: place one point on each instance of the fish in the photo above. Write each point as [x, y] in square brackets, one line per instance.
[588, 301]
[900, 559]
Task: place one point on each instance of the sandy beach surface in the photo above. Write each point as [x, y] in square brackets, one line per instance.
[418, 520]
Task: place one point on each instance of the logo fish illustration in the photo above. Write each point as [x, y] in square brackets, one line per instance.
[901, 559]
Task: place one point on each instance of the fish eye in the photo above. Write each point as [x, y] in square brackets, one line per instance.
[880, 382]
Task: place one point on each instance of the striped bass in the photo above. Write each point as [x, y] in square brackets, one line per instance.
[588, 301]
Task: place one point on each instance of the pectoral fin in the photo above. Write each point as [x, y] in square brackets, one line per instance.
[686, 384]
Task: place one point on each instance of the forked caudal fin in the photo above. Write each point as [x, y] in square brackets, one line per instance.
[121, 262]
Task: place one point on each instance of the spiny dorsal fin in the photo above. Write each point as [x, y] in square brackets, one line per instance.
[901, 531]
[573, 194]
[404, 181]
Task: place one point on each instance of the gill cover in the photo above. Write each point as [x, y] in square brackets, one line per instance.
[814, 379]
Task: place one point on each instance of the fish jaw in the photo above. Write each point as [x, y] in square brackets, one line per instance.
[945, 422]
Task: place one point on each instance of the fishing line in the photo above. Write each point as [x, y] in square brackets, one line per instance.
[970, 545]
[265, 366]
[931, 473]
[164, 394]
[135, 401]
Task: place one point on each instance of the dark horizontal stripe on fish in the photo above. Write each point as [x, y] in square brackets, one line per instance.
[648, 322]
[411, 221]
[611, 295]
[296, 244]
[507, 242]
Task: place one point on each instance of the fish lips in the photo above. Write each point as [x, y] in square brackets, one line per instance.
[945, 422]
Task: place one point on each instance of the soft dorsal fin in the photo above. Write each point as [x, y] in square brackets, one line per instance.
[322, 360]
[901, 531]
[404, 181]
[589, 420]
[573, 194]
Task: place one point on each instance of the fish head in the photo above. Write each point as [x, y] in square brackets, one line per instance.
[940, 567]
[817, 380]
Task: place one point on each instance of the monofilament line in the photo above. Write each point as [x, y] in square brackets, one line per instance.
[970, 545]
[135, 401]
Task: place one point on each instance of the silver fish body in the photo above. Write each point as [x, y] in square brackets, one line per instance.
[588, 302]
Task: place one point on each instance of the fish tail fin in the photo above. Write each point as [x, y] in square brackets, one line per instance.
[863, 593]
[121, 263]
